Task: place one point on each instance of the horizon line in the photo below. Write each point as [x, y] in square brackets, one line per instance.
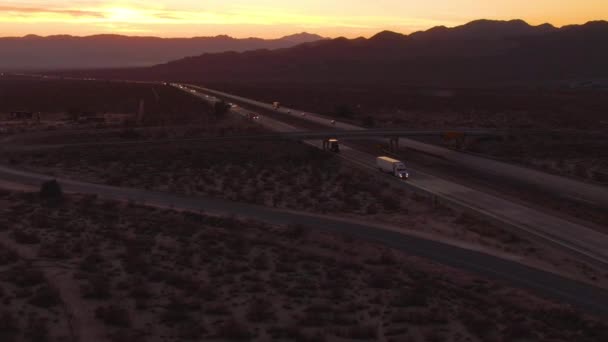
[287, 35]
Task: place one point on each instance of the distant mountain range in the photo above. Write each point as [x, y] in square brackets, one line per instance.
[479, 52]
[112, 51]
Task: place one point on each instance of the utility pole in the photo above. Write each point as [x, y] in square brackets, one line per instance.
[140, 112]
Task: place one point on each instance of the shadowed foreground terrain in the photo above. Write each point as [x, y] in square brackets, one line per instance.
[155, 275]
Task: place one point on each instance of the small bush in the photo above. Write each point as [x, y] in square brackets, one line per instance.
[390, 203]
[175, 312]
[361, 332]
[233, 330]
[296, 231]
[24, 237]
[8, 323]
[7, 256]
[45, 297]
[260, 310]
[37, 330]
[113, 315]
[51, 192]
[97, 287]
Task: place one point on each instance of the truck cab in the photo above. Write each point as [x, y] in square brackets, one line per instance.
[334, 145]
[400, 171]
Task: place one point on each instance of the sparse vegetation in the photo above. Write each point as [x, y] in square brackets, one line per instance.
[189, 276]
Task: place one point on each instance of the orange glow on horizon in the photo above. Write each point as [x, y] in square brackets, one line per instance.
[273, 18]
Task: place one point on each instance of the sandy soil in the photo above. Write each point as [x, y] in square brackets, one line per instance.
[33, 303]
[156, 275]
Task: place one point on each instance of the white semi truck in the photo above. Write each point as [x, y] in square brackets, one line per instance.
[392, 166]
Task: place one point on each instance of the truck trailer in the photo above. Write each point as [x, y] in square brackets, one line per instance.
[392, 166]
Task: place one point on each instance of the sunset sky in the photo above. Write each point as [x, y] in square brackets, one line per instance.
[275, 18]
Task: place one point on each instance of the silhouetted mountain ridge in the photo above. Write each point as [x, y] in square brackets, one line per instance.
[111, 50]
[480, 51]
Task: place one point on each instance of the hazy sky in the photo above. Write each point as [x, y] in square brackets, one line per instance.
[274, 18]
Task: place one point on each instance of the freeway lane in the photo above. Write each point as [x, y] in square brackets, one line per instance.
[545, 284]
[570, 188]
[572, 237]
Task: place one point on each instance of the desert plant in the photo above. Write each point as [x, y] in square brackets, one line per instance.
[233, 330]
[344, 111]
[260, 310]
[368, 121]
[97, 287]
[113, 315]
[22, 236]
[220, 109]
[51, 192]
[45, 297]
[36, 330]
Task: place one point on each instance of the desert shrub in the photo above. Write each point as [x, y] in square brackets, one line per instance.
[516, 331]
[368, 121]
[217, 309]
[343, 111]
[25, 237]
[260, 310]
[8, 323]
[435, 336]
[296, 231]
[360, 332]
[476, 324]
[372, 209]
[416, 297]
[380, 280]
[36, 330]
[25, 276]
[51, 192]
[126, 335]
[45, 297]
[53, 250]
[175, 312]
[113, 315]
[261, 262]
[390, 203]
[7, 256]
[233, 330]
[91, 263]
[388, 258]
[96, 287]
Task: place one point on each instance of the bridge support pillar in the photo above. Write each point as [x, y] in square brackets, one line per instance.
[325, 144]
[393, 144]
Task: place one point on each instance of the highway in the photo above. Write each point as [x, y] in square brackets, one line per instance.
[569, 188]
[575, 238]
[545, 284]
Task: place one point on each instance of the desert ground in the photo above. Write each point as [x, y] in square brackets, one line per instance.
[145, 274]
[56, 100]
[124, 272]
[275, 173]
[288, 175]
